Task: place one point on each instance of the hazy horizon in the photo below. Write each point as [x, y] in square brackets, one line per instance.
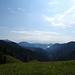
[37, 21]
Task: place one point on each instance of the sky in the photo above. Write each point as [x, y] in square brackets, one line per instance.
[43, 21]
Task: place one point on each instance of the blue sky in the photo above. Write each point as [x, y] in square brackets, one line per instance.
[43, 21]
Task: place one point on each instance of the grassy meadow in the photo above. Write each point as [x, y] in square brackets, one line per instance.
[16, 67]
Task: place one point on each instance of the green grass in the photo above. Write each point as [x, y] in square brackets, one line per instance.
[12, 60]
[38, 68]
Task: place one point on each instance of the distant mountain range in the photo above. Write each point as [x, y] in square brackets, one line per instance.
[20, 52]
[64, 51]
[36, 45]
[41, 52]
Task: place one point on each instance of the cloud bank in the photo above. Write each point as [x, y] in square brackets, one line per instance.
[42, 36]
[63, 20]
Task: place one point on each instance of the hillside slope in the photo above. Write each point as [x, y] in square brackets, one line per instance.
[62, 51]
[39, 68]
[20, 52]
[11, 59]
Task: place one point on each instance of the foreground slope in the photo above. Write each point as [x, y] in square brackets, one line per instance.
[11, 59]
[39, 68]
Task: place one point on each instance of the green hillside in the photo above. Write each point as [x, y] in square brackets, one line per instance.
[39, 68]
[11, 59]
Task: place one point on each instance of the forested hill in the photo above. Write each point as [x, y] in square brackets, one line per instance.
[24, 54]
[64, 51]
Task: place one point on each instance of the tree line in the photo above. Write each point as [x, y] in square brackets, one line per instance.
[3, 53]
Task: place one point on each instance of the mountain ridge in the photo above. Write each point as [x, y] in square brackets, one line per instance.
[62, 51]
[26, 44]
[20, 52]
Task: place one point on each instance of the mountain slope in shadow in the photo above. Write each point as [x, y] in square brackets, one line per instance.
[64, 51]
[20, 52]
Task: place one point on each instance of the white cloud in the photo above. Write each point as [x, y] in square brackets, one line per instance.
[63, 20]
[12, 11]
[70, 10]
[53, 3]
[42, 36]
[49, 19]
[52, 10]
[21, 9]
[36, 32]
[15, 10]
[59, 25]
